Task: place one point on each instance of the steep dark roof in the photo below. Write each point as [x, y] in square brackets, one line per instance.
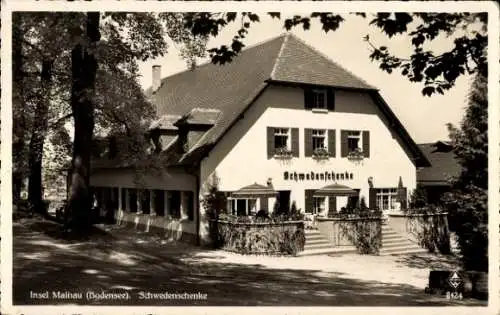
[443, 164]
[231, 88]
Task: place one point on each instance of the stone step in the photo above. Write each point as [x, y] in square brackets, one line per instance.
[330, 251]
[393, 237]
[316, 241]
[325, 245]
[311, 232]
[315, 237]
[390, 233]
[397, 241]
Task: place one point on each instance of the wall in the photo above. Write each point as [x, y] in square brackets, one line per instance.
[240, 158]
[170, 229]
[173, 179]
[429, 230]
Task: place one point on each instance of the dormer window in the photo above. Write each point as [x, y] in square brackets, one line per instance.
[319, 99]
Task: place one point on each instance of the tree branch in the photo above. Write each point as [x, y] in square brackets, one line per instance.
[59, 121]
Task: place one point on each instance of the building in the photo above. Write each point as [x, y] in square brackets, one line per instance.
[281, 117]
[444, 166]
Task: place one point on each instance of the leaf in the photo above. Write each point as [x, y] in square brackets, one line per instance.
[428, 91]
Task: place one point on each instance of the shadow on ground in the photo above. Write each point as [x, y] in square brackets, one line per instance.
[45, 261]
[430, 261]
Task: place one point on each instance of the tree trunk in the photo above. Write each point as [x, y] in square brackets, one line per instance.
[84, 69]
[19, 110]
[38, 138]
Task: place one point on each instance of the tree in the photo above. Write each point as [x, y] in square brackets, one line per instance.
[468, 202]
[437, 71]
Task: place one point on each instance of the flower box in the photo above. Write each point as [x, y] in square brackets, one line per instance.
[283, 153]
[356, 155]
[321, 154]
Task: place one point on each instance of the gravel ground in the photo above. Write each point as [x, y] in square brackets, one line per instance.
[122, 261]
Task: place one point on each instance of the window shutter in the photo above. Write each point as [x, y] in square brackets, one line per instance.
[270, 142]
[331, 142]
[330, 99]
[264, 204]
[366, 144]
[309, 203]
[308, 146]
[332, 206]
[308, 99]
[373, 199]
[343, 143]
[295, 142]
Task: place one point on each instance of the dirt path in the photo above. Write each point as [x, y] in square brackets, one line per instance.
[128, 263]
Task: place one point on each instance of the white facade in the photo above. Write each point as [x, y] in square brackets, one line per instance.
[240, 158]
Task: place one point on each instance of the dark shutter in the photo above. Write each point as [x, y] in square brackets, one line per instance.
[331, 142]
[309, 202]
[343, 143]
[308, 146]
[373, 199]
[366, 144]
[264, 204]
[295, 142]
[330, 99]
[308, 98]
[270, 142]
[332, 206]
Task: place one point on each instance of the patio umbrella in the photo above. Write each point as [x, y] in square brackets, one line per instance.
[253, 191]
[335, 190]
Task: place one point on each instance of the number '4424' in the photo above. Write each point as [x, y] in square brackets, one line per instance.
[454, 295]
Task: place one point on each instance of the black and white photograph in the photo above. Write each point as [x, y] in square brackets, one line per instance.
[222, 157]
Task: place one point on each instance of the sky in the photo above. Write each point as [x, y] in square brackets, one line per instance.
[424, 117]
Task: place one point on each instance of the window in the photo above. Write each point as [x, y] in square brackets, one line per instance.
[387, 198]
[190, 205]
[241, 207]
[145, 201]
[132, 195]
[159, 202]
[281, 138]
[318, 205]
[318, 99]
[175, 203]
[124, 199]
[354, 141]
[318, 139]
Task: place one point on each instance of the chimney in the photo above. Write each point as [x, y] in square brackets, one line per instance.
[156, 77]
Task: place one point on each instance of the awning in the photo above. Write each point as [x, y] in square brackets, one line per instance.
[253, 191]
[336, 190]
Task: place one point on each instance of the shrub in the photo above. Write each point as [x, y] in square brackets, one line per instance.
[431, 231]
[287, 239]
[365, 235]
[418, 198]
